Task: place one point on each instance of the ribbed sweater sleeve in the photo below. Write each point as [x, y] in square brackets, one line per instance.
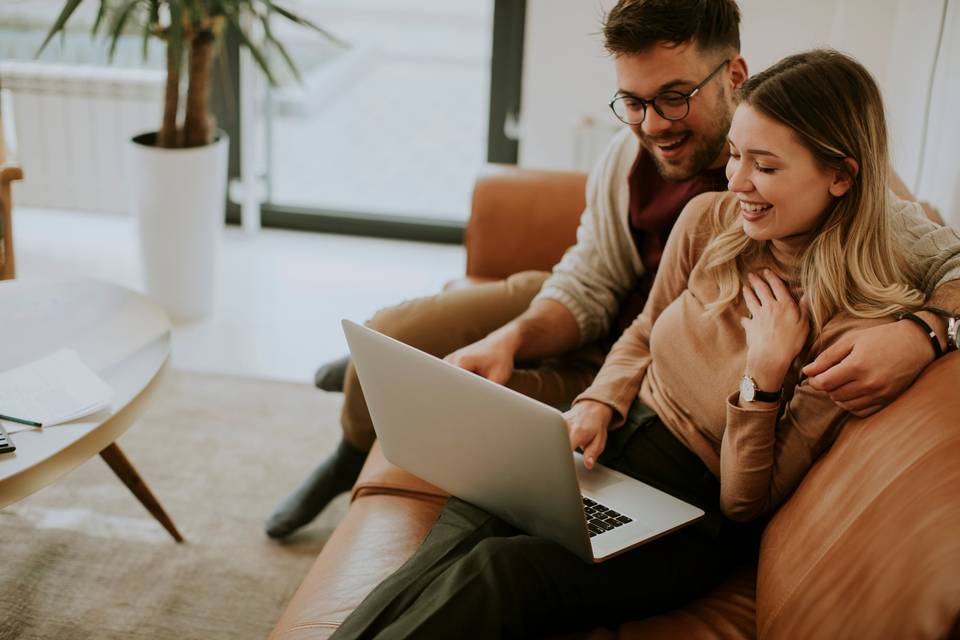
[764, 454]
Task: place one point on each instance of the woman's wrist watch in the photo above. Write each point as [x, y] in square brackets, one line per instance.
[750, 392]
[953, 326]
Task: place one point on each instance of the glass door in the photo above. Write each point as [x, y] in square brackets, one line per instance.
[392, 126]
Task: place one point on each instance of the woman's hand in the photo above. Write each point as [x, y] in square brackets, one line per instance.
[587, 423]
[776, 329]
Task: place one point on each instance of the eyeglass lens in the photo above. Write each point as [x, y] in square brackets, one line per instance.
[671, 105]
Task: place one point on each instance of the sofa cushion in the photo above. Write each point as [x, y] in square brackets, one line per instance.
[869, 545]
[377, 535]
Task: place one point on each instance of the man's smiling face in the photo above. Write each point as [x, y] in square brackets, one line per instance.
[683, 148]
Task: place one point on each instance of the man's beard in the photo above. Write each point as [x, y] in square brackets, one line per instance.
[706, 150]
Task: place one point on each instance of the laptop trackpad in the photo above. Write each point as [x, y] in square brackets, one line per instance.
[600, 478]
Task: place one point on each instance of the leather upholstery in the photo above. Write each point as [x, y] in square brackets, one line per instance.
[377, 535]
[522, 220]
[867, 547]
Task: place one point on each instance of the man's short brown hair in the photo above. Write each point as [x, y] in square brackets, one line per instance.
[634, 26]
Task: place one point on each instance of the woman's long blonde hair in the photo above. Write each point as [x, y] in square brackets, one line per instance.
[853, 262]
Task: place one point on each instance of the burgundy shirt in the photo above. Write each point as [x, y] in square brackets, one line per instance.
[655, 205]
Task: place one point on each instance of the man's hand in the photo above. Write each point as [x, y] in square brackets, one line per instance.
[867, 369]
[587, 424]
[491, 357]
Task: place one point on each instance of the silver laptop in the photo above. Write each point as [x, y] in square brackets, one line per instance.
[502, 451]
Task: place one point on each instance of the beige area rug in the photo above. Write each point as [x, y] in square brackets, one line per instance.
[83, 559]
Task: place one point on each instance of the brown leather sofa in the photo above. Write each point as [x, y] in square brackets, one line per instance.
[867, 547]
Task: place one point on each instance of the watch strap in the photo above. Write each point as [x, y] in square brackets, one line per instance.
[768, 396]
[755, 394]
[953, 326]
[927, 329]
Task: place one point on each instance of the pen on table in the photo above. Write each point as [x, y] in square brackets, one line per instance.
[29, 423]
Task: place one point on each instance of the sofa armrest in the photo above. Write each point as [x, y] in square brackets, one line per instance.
[868, 546]
[522, 219]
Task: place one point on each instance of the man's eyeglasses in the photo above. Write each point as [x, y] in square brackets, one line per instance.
[671, 105]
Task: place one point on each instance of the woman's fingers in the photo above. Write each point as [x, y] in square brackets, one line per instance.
[777, 286]
[594, 449]
[753, 304]
[761, 288]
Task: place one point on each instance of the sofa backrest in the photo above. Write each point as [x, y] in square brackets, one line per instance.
[869, 545]
[522, 219]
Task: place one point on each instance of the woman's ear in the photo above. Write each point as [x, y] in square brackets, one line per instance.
[843, 180]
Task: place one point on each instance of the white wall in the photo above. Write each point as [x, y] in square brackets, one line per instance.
[568, 79]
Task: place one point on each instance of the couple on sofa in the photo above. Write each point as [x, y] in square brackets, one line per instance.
[806, 259]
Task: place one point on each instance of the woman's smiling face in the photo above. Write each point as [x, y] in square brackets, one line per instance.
[783, 191]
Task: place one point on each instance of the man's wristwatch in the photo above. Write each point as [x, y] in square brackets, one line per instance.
[953, 326]
[749, 392]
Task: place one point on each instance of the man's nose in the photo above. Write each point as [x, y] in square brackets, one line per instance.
[654, 123]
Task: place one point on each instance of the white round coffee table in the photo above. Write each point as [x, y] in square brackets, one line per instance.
[118, 333]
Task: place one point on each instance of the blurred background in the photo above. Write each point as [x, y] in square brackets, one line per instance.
[383, 140]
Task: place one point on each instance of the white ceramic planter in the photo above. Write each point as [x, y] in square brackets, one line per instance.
[179, 199]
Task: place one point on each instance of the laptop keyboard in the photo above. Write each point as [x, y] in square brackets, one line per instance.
[601, 519]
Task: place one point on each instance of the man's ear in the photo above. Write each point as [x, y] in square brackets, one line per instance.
[843, 180]
[738, 71]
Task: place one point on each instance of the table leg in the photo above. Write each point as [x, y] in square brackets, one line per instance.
[121, 466]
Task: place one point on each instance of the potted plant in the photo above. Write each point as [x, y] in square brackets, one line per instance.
[178, 174]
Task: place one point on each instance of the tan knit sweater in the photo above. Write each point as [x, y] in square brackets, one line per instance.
[687, 368]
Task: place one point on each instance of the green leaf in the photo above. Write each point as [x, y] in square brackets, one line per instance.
[215, 8]
[153, 22]
[196, 14]
[101, 13]
[119, 22]
[175, 32]
[305, 23]
[265, 20]
[257, 55]
[68, 10]
[146, 40]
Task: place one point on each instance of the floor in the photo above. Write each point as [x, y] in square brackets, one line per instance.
[279, 296]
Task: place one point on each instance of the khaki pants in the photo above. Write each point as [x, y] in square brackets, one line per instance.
[445, 322]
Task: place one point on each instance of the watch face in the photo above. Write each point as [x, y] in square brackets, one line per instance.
[747, 389]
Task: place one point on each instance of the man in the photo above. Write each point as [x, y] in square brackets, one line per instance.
[559, 326]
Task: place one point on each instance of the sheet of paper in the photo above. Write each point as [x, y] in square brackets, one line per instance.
[53, 390]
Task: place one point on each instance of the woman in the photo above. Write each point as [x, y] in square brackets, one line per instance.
[753, 284]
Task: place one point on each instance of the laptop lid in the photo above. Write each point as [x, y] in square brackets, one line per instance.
[500, 450]
[484, 443]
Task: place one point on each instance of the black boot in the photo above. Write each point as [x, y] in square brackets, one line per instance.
[329, 376]
[334, 476]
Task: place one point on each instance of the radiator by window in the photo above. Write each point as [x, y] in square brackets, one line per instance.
[71, 126]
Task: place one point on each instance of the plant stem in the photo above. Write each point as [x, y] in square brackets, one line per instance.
[196, 126]
[168, 129]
